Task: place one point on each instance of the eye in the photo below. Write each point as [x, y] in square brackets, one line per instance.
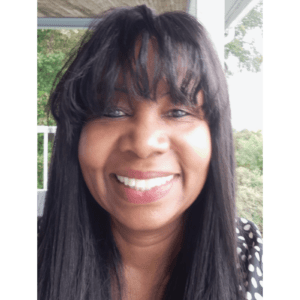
[115, 113]
[178, 113]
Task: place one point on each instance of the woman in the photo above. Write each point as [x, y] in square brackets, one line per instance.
[140, 202]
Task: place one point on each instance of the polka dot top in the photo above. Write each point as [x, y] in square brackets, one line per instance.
[250, 251]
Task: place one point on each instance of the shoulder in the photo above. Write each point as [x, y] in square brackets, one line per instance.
[250, 251]
[249, 233]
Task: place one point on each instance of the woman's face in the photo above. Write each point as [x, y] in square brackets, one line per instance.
[146, 162]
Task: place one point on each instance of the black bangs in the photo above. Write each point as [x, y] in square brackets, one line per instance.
[111, 50]
[149, 62]
[167, 56]
[115, 54]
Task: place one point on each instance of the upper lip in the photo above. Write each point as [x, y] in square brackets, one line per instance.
[144, 174]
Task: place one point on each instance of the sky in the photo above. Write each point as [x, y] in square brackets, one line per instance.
[246, 90]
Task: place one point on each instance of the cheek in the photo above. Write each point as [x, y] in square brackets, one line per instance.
[88, 159]
[96, 145]
[199, 144]
[195, 147]
[94, 150]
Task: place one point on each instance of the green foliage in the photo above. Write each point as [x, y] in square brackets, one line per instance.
[249, 196]
[54, 47]
[249, 58]
[249, 175]
[249, 150]
[48, 67]
[254, 18]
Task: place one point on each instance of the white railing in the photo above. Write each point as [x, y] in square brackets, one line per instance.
[42, 192]
[46, 130]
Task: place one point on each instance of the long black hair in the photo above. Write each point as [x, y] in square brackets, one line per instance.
[77, 255]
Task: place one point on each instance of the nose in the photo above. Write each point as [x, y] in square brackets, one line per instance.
[145, 137]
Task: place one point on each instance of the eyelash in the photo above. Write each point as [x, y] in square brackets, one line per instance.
[181, 111]
[112, 114]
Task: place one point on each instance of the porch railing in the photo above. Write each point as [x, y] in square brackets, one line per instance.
[41, 193]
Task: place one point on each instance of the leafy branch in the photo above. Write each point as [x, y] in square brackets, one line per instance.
[248, 56]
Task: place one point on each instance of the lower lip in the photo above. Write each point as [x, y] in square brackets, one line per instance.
[145, 197]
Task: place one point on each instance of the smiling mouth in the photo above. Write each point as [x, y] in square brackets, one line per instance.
[144, 184]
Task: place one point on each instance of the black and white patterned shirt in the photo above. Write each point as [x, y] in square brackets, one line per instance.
[250, 250]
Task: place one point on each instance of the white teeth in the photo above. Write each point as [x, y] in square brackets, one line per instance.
[148, 185]
[140, 184]
[125, 180]
[144, 185]
[131, 182]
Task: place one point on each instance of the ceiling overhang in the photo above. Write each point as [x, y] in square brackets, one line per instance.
[78, 13]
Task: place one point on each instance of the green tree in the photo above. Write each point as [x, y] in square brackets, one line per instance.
[249, 195]
[248, 56]
[53, 49]
[249, 175]
[249, 149]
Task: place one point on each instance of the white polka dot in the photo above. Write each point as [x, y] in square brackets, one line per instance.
[247, 227]
[254, 283]
[251, 268]
[261, 283]
[249, 297]
[249, 257]
[257, 248]
[239, 250]
[244, 257]
[259, 240]
[240, 288]
[246, 283]
[237, 231]
[257, 256]
[258, 232]
[258, 271]
[258, 296]
[245, 245]
[241, 238]
[244, 220]
[251, 235]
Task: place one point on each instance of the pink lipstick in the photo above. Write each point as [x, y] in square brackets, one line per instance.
[144, 187]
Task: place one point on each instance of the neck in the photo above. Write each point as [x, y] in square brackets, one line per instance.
[149, 252]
